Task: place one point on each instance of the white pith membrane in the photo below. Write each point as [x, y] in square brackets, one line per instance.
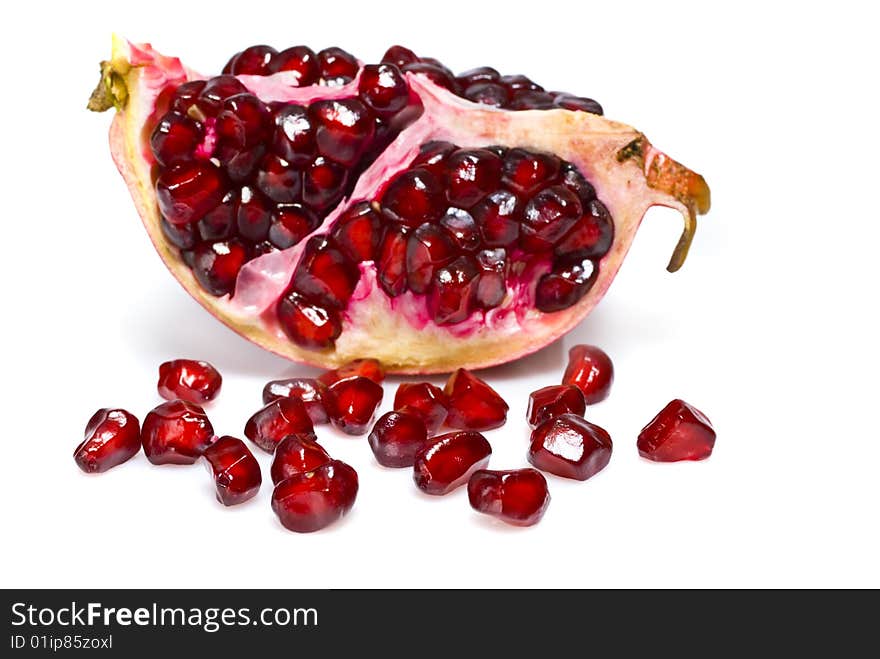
[399, 332]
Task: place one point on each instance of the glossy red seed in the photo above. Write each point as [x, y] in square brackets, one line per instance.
[186, 94]
[215, 91]
[277, 179]
[175, 139]
[391, 263]
[236, 471]
[299, 60]
[290, 224]
[555, 400]
[255, 60]
[564, 286]
[548, 216]
[253, 215]
[190, 380]
[397, 437]
[324, 183]
[424, 399]
[251, 116]
[491, 289]
[297, 454]
[365, 368]
[473, 404]
[219, 222]
[277, 420]
[679, 432]
[383, 89]
[308, 324]
[448, 461]
[427, 249]
[531, 100]
[176, 432]
[112, 436]
[577, 183]
[325, 274]
[294, 135]
[351, 404]
[186, 192]
[432, 156]
[525, 172]
[471, 175]
[591, 236]
[498, 217]
[517, 82]
[454, 291]
[519, 497]
[216, 265]
[241, 167]
[308, 390]
[343, 129]
[182, 236]
[570, 446]
[439, 75]
[461, 228]
[479, 74]
[358, 232]
[315, 499]
[590, 370]
[570, 102]
[488, 93]
[337, 67]
[399, 56]
[413, 198]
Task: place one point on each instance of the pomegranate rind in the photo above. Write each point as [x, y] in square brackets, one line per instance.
[630, 174]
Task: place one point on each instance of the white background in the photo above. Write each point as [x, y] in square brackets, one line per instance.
[770, 328]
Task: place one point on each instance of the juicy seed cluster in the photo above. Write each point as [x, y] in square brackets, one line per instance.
[457, 227]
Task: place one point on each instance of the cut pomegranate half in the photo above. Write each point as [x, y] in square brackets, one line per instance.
[472, 224]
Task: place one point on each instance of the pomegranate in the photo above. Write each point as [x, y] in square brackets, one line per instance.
[307, 390]
[473, 404]
[311, 500]
[424, 399]
[570, 446]
[517, 497]
[297, 454]
[277, 420]
[590, 370]
[678, 432]
[235, 470]
[112, 436]
[187, 379]
[550, 402]
[352, 403]
[176, 432]
[328, 210]
[448, 461]
[397, 437]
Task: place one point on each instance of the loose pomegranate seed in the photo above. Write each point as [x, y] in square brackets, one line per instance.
[277, 420]
[391, 264]
[315, 499]
[471, 175]
[590, 370]
[679, 432]
[253, 215]
[427, 249]
[499, 216]
[365, 368]
[455, 288]
[216, 265]
[432, 157]
[112, 436]
[294, 136]
[570, 446]
[553, 401]
[337, 66]
[548, 216]
[290, 224]
[527, 171]
[278, 180]
[383, 89]
[343, 129]
[491, 288]
[448, 461]
[309, 391]
[308, 324]
[175, 138]
[473, 404]
[300, 60]
[351, 404]
[397, 437]
[255, 60]
[324, 183]
[591, 236]
[399, 56]
[413, 198]
[424, 399]
[176, 432]
[518, 497]
[186, 192]
[297, 454]
[461, 228]
[358, 231]
[190, 380]
[565, 285]
[236, 471]
[325, 274]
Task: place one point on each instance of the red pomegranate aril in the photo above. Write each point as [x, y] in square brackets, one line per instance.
[216, 265]
[565, 286]
[241, 167]
[343, 129]
[570, 102]
[255, 60]
[413, 198]
[251, 114]
[679, 432]
[253, 215]
[399, 56]
[391, 264]
[182, 236]
[397, 437]
[531, 100]
[175, 138]
[488, 93]
[461, 228]
[498, 216]
[308, 390]
[236, 471]
[473, 404]
[278, 180]
[365, 368]
[570, 446]
[479, 74]
[383, 89]
[491, 289]
[337, 67]
[112, 436]
[439, 75]
[424, 399]
[186, 94]
[549, 215]
[215, 91]
[575, 181]
[553, 401]
[315, 499]
[176, 432]
[519, 497]
[277, 420]
[308, 324]
[188, 191]
[470, 176]
[297, 454]
[427, 249]
[352, 402]
[290, 224]
[589, 369]
[324, 183]
[519, 82]
[358, 231]
[294, 136]
[219, 222]
[449, 460]
[190, 380]
[300, 60]
[455, 288]
[591, 236]
[325, 274]
[432, 156]
[527, 171]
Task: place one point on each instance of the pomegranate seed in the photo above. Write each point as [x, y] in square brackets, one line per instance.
[236, 471]
[553, 401]
[294, 136]
[399, 56]
[432, 156]
[439, 75]
[315, 499]
[570, 446]
[488, 93]
[188, 191]
[255, 60]
[590, 370]
[527, 171]
[324, 183]
[297, 454]
[278, 180]
[397, 437]
[277, 420]
[190, 380]
[471, 175]
[357, 232]
[473, 404]
[518, 497]
[308, 324]
[112, 436]
[351, 404]
[216, 265]
[215, 91]
[491, 288]
[461, 228]
[480, 74]
[242, 166]
[455, 287]
[186, 95]
[591, 236]
[219, 222]
[383, 88]
[498, 217]
[565, 286]
[548, 216]
[424, 399]
[570, 102]
[520, 82]
[300, 60]
[175, 138]
[253, 215]
[307, 390]
[176, 432]
[325, 274]
[679, 432]
[182, 236]
[575, 181]
[391, 265]
[531, 100]
[337, 66]
[427, 249]
[343, 129]
[365, 368]
[448, 461]
[413, 198]
[290, 224]
[249, 117]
